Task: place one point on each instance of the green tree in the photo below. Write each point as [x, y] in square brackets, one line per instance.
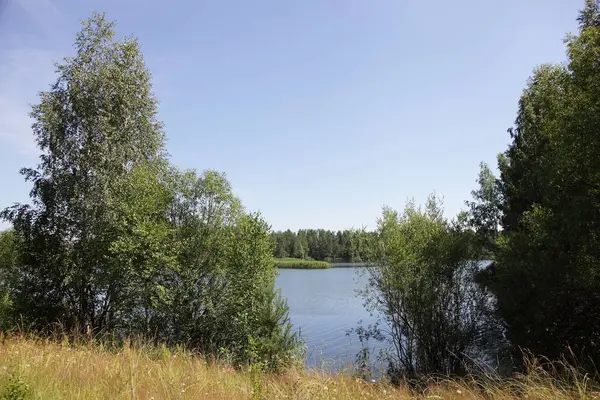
[300, 247]
[421, 285]
[118, 241]
[222, 293]
[326, 244]
[8, 259]
[93, 127]
[548, 262]
[320, 244]
[485, 211]
[143, 254]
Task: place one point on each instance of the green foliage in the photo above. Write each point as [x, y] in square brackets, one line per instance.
[222, 294]
[15, 388]
[143, 254]
[273, 345]
[119, 242]
[485, 210]
[8, 259]
[8, 255]
[321, 245]
[94, 127]
[547, 273]
[432, 313]
[300, 264]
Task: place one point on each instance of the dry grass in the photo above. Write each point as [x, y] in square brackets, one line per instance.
[40, 369]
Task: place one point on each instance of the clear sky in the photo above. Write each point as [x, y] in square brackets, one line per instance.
[319, 111]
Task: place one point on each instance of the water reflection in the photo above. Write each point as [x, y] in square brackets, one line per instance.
[324, 304]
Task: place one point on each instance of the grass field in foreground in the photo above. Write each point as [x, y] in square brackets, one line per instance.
[300, 264]
[36, 369]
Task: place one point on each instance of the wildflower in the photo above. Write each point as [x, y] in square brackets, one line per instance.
[458, 391]
[325, 388]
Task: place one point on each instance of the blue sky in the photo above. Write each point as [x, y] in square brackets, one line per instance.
[319, 111]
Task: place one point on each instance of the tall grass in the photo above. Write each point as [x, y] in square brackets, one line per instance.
[300, 264]
[45, 369]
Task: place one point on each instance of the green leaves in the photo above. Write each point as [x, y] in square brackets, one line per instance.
[320, 244]
[117, 240]
[8, 263]
[223, 288]
[421, 285]
[95, 127]
[548, 262]
[485, 212]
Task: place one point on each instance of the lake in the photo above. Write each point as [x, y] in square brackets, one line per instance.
[324, 305]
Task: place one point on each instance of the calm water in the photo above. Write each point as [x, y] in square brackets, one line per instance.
[324, 305]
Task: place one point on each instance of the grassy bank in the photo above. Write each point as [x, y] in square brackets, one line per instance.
[35, 369]
[300, 264]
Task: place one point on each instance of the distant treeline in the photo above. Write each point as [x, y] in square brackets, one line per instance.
[322, 245]
[295, 263]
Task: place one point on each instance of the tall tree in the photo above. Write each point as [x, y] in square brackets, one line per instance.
[485, 210]
[421, 285]
[299, 248]
[94, 126]
[118, 241]
[320, 244]
[8, 260]
[548, 263]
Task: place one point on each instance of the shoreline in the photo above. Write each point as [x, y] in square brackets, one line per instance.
[296, 263]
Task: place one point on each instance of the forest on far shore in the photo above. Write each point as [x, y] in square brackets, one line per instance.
[321, 245]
